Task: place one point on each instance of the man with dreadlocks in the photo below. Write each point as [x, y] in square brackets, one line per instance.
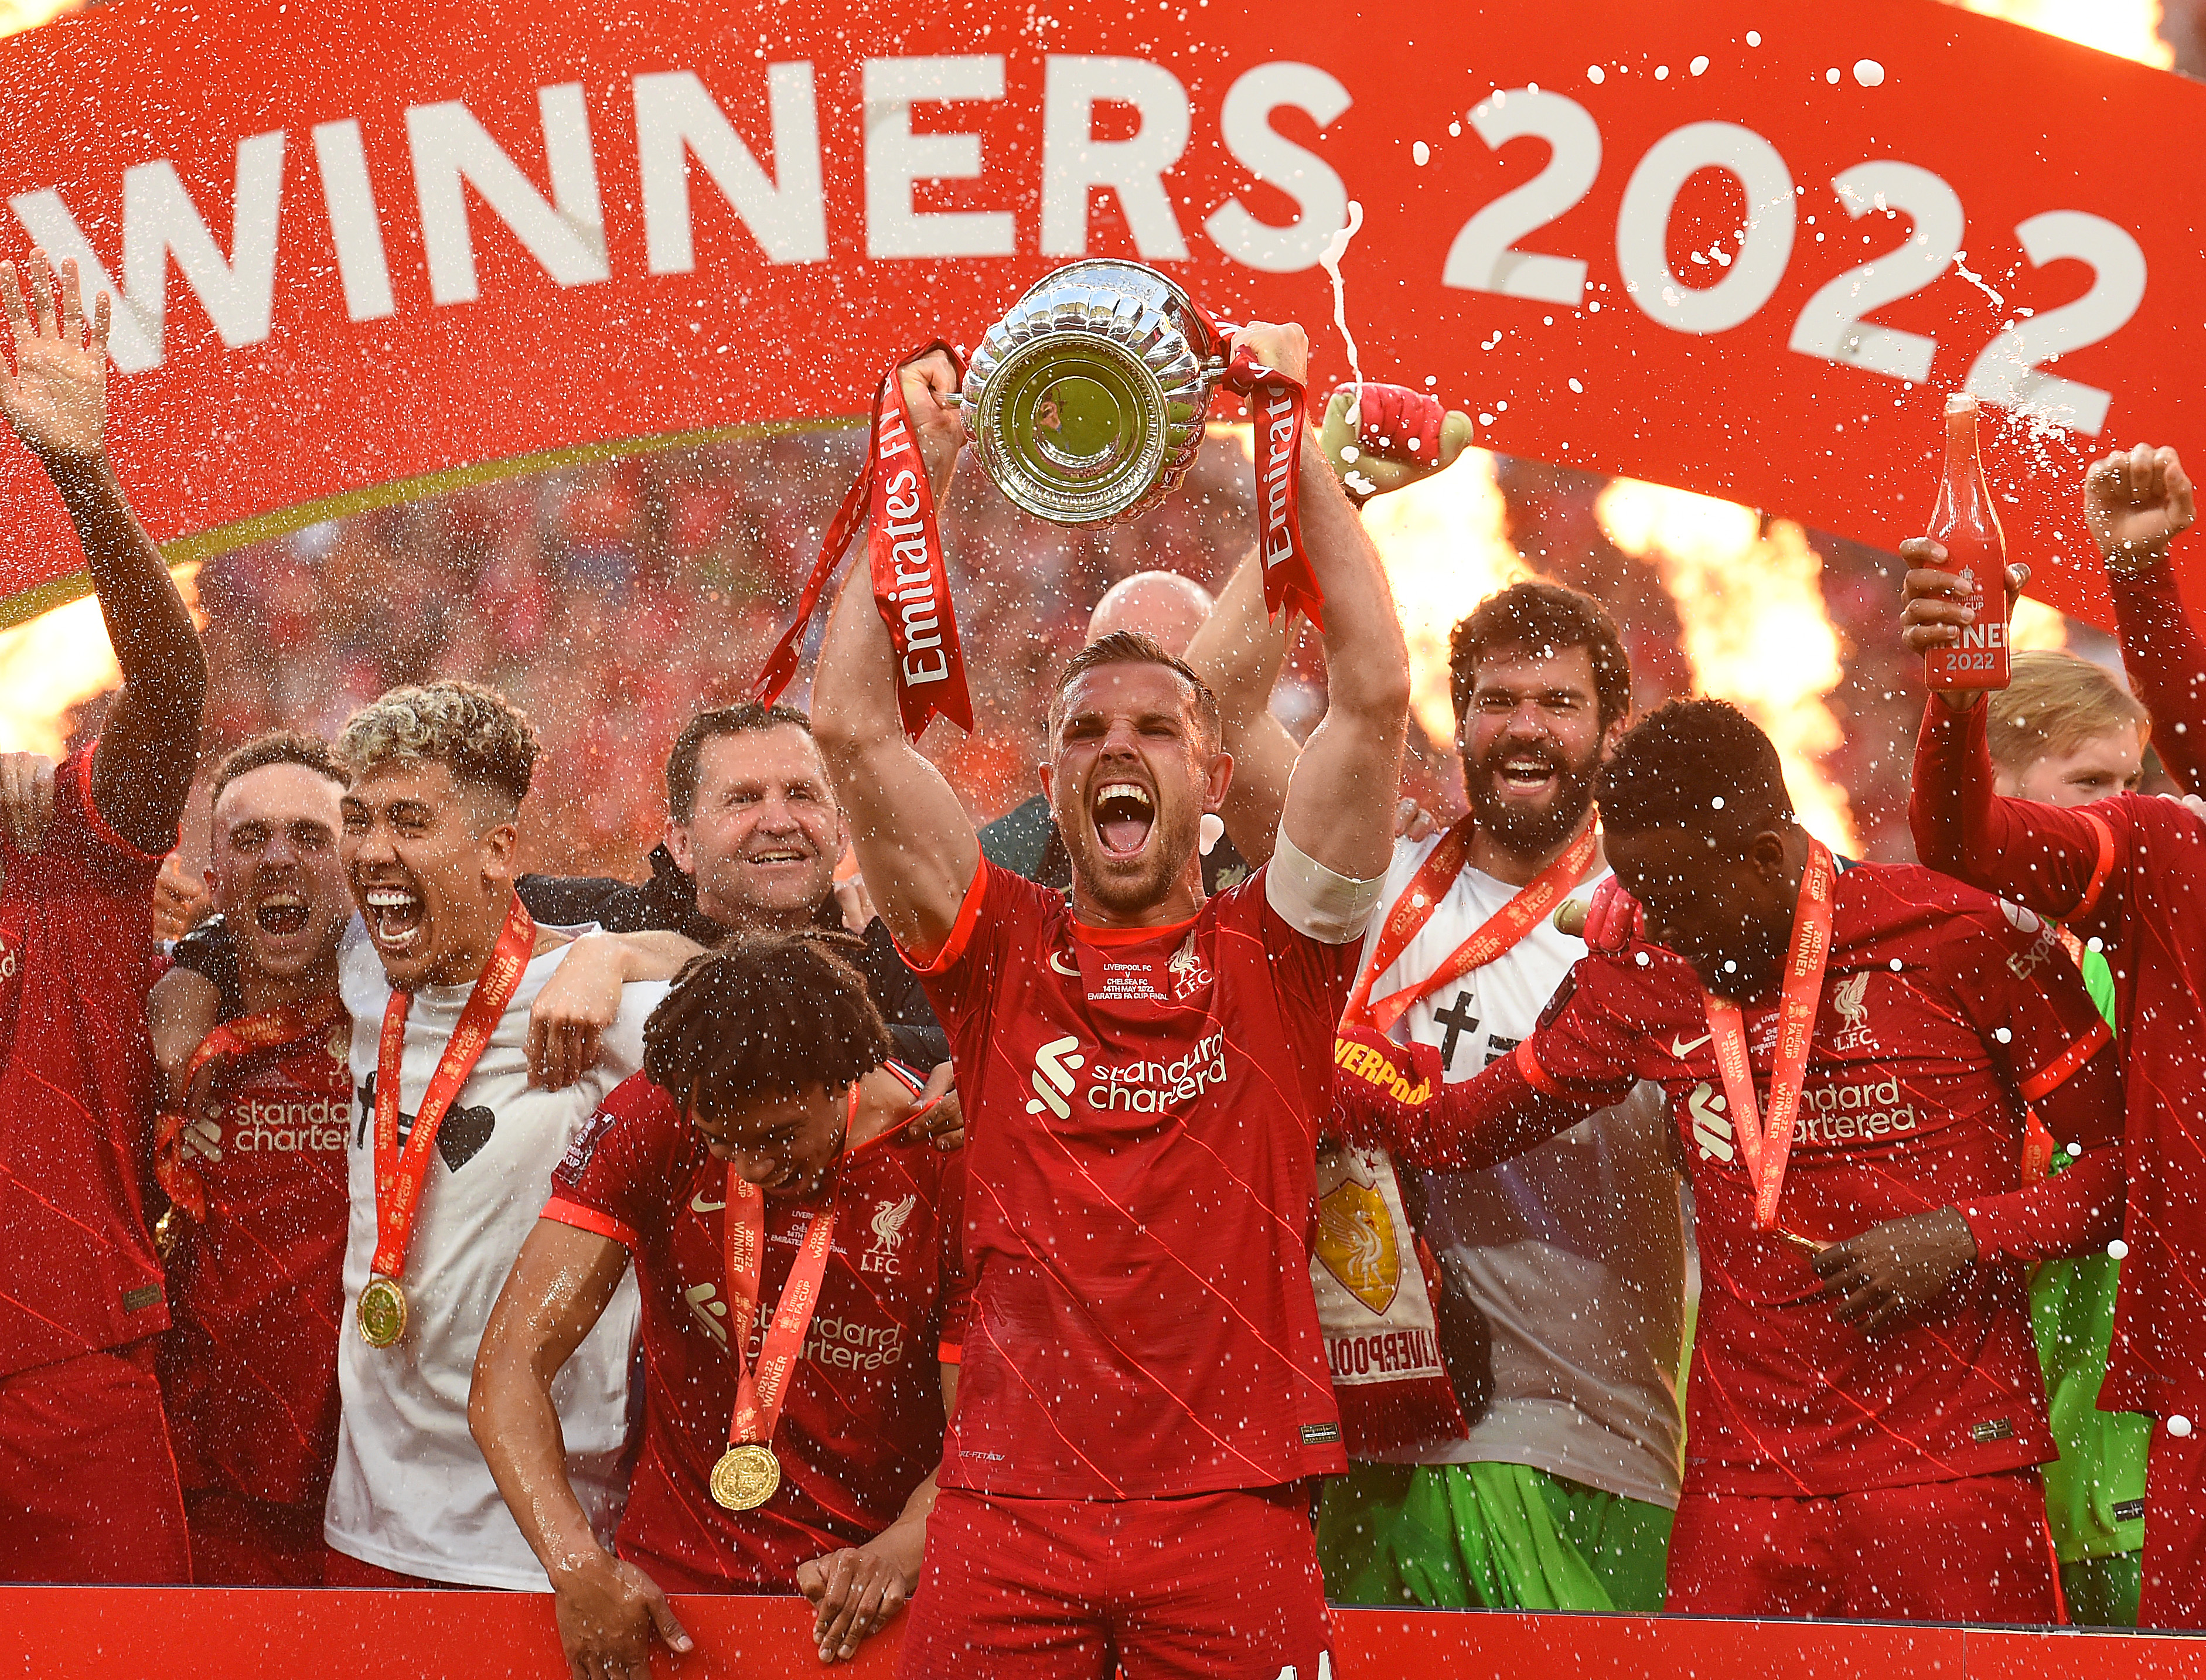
[795, 1244]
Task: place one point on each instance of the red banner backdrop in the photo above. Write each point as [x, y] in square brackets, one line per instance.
[1738, 246]
[199, 1634]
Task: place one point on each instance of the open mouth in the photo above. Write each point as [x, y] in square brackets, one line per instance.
[280, 915]
[394, 918]
[778, 856]
[1526, 774]
[1125, 814]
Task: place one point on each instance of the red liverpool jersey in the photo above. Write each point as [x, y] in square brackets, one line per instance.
[2127, 875]
[77, 1267]
[861, 1426]
[1141, 1113]
[250, 1367]
[1943, 1012]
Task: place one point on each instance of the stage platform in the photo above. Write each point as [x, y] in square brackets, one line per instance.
[87, 1633]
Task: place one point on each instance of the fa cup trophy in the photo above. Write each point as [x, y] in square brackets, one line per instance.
[1085, 403]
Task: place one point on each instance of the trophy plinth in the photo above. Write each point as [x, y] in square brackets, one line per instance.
[1085, 403]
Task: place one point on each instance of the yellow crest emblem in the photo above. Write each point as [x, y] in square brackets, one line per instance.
[1355, 1241]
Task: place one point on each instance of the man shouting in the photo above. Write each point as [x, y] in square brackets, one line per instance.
[1142, 1072]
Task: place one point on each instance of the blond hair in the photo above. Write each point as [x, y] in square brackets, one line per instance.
[2057, 701]
[474, 731]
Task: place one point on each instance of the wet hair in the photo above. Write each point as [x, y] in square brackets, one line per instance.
[765, 1017]
[2057, 701]
[1542, 616]
[683, 762]
[474, 730]
[1701, 765]
[309, 752]
[1131, 648]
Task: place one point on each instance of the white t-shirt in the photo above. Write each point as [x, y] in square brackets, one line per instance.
[411, 1490]
[1575, 1251]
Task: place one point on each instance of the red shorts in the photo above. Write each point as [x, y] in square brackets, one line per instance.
[1975, 1550]
[238, 1540]
[2174, 1594]
[1212, 1585]
[86, 1476]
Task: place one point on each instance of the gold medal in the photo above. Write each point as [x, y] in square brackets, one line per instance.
[382, 1311]
[746, 1476]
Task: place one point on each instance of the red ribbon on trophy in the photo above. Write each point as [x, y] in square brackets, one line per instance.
[904, 550]
[1276, 411]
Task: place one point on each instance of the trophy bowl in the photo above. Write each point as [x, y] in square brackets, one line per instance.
[1085, 403]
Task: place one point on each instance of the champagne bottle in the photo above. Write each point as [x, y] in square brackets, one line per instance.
[1965, 524]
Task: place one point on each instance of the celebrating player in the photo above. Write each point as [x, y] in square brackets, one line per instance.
[252, 1161]
[1866, 1410]
[2066, 732]
[752, 834]
[1169, 610]
[1144, 1393]
[86, 1476]
[1561, 1310]
[774, 1228]
[456, 1123]
[2124, 875]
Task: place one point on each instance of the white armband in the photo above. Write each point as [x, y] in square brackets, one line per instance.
[1332, 909]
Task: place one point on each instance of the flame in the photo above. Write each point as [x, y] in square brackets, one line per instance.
[58, 660]
[17, 16]
[1444, 542]
[2127, 28]
[1750, 602]
[2035, 625]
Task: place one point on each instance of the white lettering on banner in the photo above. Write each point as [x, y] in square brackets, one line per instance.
[2009, 371]
[159, 221]
[1483, 256]
[452, 151]
[1320, 195]
[350, 199]
[1642, 227]
[1830, 326]
[1075, 164]
[677, 118]
[896, 159]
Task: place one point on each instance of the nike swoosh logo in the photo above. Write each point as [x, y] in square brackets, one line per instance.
[699, 1205]
[1681, 1048]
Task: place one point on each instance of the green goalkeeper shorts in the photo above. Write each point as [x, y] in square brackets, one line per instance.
[1498, 1536]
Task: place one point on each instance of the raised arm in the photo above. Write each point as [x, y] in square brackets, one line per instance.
[56, 400]
[2136, 504]
[608, 1610]
[916, 845]
[1340, 799]
[1238, 652]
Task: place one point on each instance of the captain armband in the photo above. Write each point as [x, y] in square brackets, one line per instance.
[1332, 909]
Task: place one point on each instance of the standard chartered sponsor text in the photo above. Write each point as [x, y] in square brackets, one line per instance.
[1846, 1113]
[313, 1123]
[1146, 1087]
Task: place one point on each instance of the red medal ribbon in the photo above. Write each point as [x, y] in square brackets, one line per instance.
[1768, 1147]
[911, 579]
[1276, 409]
[399, 1175]
[1499, 934]
[272, 1029]
[759, 1392]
